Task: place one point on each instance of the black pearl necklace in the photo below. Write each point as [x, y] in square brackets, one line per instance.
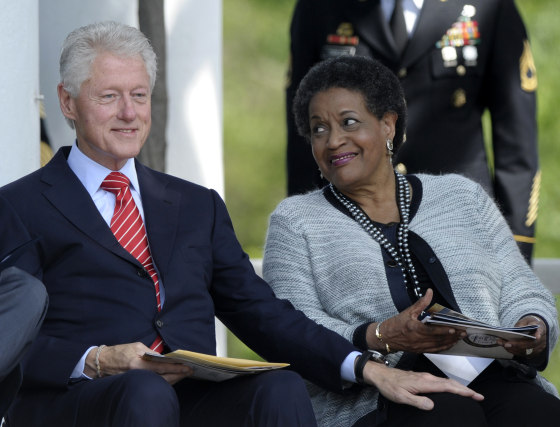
[401, 254]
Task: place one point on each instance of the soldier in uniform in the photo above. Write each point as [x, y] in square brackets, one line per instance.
[457, 60]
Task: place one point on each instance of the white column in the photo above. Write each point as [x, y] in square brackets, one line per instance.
[194, 80]
[19, 90]
[194, 87]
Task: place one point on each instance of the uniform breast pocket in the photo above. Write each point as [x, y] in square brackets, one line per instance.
[455, 82]
[334, 51]
[454, 62]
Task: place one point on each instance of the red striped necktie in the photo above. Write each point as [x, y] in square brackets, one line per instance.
[129, 230]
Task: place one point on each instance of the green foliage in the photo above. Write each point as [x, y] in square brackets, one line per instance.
[541, 17]
[256, 58]
[255, 64]
[552, 372]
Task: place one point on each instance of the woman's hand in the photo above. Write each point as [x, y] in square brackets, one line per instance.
[405, 332]
[124, 357]
[529, 348]
[404, 386]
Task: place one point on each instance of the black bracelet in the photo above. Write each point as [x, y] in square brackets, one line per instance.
[361, 363]
[359, 337]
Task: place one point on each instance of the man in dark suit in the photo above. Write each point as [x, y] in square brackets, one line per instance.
[23, 305]
[459, 59]
[110, 304]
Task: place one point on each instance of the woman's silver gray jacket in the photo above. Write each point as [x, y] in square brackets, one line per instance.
[332, 270]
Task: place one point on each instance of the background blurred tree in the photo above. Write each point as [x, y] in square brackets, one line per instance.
[152, 24]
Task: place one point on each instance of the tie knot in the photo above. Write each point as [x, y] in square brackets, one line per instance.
[115, 182]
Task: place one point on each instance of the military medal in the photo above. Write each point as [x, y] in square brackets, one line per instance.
[344, 42]
[464, 35]
[449, 56]
[470, 55]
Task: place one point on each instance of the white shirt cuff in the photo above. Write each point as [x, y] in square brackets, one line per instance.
[78, 372]
[347, 367]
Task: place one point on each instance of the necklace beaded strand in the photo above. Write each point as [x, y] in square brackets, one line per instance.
[401, 254]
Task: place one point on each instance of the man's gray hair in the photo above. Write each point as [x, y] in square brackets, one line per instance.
[82, 46]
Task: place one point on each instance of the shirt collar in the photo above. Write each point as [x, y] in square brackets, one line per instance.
[91, 174]
[411, 6]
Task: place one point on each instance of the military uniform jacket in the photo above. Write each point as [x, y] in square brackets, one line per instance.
[462, 59]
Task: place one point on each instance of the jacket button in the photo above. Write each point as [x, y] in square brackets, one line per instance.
[432, 259]
[459, 98]
[159, 323]
[392, 263]
[142, 273]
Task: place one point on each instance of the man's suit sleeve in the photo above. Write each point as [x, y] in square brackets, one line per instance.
[270, 326]
[511, 84]
[48, 360]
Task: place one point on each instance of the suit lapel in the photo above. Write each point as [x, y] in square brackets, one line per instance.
[161, 214]
[161, 208]
[67, 194]
[371, 26]
[435, 19]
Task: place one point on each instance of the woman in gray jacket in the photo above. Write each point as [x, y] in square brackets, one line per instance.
[369, 252]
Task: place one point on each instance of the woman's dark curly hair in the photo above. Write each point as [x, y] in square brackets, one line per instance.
[380, 88]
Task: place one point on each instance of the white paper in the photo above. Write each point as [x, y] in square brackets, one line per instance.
[462, 369]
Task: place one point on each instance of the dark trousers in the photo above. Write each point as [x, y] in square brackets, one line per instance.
[142, 398]
[23, 304]
[508, 401]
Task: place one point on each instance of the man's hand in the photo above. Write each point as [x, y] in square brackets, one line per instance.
[124, 357]
[404, 386]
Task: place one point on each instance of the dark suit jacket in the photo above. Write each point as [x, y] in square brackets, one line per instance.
[445, 99]
[100, 294]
